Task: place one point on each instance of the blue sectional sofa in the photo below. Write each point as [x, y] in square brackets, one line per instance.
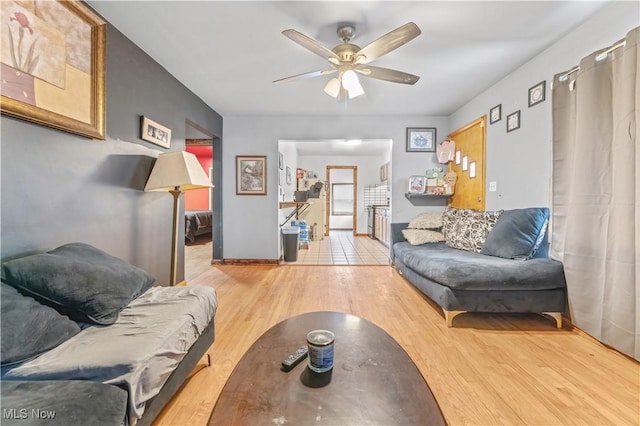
[509, 272]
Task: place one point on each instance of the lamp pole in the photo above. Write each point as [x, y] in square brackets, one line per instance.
[174, 235]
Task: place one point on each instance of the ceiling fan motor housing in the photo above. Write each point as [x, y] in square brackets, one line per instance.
[346, 52]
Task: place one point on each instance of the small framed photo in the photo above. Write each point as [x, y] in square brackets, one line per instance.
[251, 175]
[472, 170]
[495, 114]
[288, 176]
[280, 161]
[513, 121]
[155, 133]
[417, 184]
[421, 139]
[537, 93]
[465, 163]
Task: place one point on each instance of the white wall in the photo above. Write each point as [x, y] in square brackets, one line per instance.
[520, 161]
[251, 222]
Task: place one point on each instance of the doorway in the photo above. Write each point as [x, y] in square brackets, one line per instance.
[342, 199]
[198, 206]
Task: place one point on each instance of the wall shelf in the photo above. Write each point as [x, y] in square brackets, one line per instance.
[427, 199]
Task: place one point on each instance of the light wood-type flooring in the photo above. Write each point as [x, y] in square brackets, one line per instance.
[489, 369]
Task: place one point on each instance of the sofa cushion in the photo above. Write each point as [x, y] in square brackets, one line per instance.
[517, 234]
[465, 270]
[422, 236]
[426, 221]
[78, 280]
[29, 328]
[467, 229]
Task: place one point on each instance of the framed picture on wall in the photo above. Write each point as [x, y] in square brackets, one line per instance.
[53, 65]
[288, 176]
[513, 121]
[421, 139]
[495, 114]
[537, 93]
[251, 175]
[417, 184]
[155, 133]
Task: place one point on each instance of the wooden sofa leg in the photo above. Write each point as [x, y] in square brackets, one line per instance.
[557, 316]
[450, 315]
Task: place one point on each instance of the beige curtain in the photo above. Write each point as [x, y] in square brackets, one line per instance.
[596, 193]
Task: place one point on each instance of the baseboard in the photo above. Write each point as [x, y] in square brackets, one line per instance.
[245, 262]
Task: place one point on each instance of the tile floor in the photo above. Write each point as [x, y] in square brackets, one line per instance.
[342, 248]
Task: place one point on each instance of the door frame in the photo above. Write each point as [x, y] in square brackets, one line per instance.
[328, 198]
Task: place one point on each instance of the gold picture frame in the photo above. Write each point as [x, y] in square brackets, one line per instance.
[53, 65]
[251, 175]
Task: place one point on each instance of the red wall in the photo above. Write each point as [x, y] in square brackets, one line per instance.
[198, 199]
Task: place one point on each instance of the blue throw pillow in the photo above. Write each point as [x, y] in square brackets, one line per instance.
[29, 328]
[517, 234]
[78, 280]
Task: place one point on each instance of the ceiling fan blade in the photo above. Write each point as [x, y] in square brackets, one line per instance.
[388, 42]
[305, 75]
[387, 74]
[311, 44]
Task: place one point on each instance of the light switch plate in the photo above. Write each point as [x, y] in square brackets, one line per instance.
[493, 186]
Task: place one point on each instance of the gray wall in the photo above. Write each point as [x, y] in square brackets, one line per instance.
[59, 188]
[250, 229]
[520, 161]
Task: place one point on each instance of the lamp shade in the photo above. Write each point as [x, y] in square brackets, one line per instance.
[177, 170]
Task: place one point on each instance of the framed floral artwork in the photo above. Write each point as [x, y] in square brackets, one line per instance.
[53, 65]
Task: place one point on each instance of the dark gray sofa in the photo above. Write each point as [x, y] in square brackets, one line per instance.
[70, 301]
[463, 281]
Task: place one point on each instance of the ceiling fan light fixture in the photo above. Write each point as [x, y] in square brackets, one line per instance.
[332, 88]
[350, 80]
[355, 91]
[352, 85]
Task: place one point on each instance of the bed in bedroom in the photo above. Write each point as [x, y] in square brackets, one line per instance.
[197, 222]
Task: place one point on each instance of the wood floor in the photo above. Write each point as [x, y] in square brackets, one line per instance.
[489, 369]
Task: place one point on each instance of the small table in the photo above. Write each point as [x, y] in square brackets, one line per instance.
[373, 380]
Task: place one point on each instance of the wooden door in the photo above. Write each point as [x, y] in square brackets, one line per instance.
[469, 165]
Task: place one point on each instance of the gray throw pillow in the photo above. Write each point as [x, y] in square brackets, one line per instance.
[517, 234]
[29, 328]
[78, 280]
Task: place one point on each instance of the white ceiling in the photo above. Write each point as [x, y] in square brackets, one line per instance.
[229, 52]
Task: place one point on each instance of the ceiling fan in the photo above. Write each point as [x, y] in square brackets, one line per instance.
[349, 60]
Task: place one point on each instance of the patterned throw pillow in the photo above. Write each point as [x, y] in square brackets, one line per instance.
[422, 236]
[426, 221]
[467, 229]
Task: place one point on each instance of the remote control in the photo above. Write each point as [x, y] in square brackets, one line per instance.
[294, 359]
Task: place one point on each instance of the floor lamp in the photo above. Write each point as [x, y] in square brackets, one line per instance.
[175, 172]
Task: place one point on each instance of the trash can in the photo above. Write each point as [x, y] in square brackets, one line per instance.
[290, 236]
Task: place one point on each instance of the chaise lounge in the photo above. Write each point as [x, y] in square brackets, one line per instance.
[484, 262]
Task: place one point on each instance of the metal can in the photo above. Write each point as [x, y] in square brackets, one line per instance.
[320, 344]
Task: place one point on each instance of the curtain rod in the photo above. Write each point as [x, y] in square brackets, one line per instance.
[600, 57]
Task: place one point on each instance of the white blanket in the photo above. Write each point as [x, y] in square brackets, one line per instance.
[150, 338]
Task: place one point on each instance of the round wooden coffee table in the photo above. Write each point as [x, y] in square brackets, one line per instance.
[373, 380]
